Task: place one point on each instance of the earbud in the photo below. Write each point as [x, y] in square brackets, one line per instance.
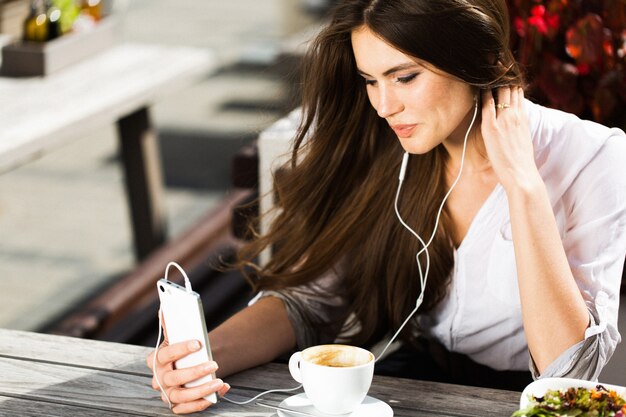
[405, 160]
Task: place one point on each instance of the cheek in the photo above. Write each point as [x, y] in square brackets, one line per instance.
[419, 96]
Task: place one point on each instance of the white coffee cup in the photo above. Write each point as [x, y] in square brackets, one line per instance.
[336, 378]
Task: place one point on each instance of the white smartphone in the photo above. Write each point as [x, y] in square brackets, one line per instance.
[184, 320]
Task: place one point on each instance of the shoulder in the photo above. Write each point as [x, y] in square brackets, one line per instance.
[551, 127]
[564, 144]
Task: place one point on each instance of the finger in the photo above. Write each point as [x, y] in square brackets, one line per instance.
[504, 95]
[522, 111]
[176, 351]
[514, 100]
[185, 395]
[182, 376]
[159, 373]
[520, 97]
[155, 384]
[489, 106]
[150, 360]
[164, 398]
[224, 389]
[191, 407]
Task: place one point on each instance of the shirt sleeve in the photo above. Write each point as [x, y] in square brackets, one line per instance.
[595, 243]
[316, 310]
[575, 362]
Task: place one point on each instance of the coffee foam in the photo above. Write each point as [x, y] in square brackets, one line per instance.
[337, 356]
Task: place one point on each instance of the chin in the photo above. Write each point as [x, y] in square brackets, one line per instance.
[416, 146]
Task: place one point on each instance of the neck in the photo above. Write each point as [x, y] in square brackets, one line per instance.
[476, 159]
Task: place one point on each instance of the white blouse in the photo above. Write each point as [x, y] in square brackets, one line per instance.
[583, 165]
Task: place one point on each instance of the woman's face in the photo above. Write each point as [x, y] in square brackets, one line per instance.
[424, 106]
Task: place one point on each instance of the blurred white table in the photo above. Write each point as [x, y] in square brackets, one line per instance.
[39, 114]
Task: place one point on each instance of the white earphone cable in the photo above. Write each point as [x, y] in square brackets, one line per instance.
[424, 274]
[261, 394]
[183, 273]
[154, 360]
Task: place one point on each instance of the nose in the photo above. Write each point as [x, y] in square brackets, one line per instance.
[388, 103]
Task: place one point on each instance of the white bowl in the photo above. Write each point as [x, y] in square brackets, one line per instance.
[539, 387]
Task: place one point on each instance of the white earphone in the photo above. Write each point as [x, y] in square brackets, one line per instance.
[425, 245]
[423, 274]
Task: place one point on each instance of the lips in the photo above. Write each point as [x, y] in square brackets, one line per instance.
[404, 131]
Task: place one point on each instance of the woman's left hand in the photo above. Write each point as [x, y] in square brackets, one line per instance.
[506, 133]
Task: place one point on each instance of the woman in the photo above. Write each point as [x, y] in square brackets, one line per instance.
[526, 261]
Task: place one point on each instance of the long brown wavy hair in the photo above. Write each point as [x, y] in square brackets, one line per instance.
[335, 201]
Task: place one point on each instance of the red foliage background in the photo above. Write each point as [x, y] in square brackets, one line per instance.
[574, 54]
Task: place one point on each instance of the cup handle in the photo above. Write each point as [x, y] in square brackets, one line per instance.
[294, 366]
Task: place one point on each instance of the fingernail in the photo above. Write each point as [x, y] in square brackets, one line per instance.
[194, 345]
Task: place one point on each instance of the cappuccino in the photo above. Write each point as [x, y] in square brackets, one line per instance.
[336, 378]
[337, 356]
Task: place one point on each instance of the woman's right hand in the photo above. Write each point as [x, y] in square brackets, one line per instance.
[184, 400]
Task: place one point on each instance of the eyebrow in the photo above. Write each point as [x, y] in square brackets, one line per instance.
[390, 71]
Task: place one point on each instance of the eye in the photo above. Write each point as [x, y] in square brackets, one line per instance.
[369, 82]
[407, 78]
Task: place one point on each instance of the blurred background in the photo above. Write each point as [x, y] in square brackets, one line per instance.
[64, 223]
[66, 251]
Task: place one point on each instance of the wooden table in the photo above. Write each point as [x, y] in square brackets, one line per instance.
[61, 376]
[39, 114]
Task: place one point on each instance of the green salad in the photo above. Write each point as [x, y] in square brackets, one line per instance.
[579, 402]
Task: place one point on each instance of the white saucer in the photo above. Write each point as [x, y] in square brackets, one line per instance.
[370, 407]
